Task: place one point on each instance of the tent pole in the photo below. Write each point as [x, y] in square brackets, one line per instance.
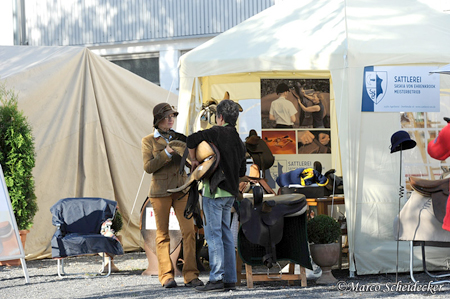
[135, 199]
[398, 220]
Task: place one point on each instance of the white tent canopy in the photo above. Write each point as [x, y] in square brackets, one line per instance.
[88, 117]
[443, 70]
[330, 39]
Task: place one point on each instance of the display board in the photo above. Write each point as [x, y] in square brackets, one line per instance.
[400, 89]
[10, 245]
[296, 125]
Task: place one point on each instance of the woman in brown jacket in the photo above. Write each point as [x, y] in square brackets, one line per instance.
[160, 160]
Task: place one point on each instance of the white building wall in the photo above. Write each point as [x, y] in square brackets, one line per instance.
[169, 53]
[6, 23]
[118, 27]
[94, 22]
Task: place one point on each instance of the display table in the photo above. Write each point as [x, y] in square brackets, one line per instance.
[323, 203]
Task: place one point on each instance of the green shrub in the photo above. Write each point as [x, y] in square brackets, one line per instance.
[323, 229]
[17, 158]
[117, 222]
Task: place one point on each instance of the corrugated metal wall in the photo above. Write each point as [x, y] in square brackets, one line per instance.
[89, 22]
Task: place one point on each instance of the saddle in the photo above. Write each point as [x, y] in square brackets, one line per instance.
[262, 220]
[259, 151]
[206, 118]
[438, 190]
[206, 153]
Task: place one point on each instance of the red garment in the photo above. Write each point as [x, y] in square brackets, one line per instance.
[446, 224]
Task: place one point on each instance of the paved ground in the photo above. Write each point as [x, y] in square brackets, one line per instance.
[129, 283]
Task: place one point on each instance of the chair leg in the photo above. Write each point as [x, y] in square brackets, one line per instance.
[62, 273]
[424, 264]
[303, 276]
[291, 271]
[103, 266]
[239, 274]
[411, 265]
[249, 276]
[340, 253]
[60, 265]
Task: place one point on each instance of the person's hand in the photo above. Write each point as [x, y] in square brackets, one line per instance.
[169, 149]
[194, 164]
[324, 138]
[306, 137]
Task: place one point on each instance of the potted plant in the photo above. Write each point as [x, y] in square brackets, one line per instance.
[17, 157]
[323, 234]
[116, 226]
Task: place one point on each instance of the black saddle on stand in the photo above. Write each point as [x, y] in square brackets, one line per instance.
[262, 222]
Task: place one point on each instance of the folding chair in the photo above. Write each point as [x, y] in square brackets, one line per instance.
[79, 222]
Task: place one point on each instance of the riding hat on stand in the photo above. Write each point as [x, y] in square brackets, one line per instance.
[401, 140]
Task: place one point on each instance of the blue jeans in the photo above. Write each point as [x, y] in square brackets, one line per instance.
[222, 255]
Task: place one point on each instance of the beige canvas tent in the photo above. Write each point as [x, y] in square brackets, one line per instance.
[331, 39]
[88, 117]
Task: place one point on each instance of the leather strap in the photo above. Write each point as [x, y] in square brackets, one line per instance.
[183, 159]
[266, 186]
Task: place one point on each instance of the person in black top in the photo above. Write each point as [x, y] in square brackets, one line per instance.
[219, 193]
[317, 109]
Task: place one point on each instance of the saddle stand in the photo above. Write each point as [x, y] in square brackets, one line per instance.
[420, 220]
[422, 244]
[262, 239]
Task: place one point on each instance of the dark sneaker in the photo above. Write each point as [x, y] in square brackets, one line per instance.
[211, 286]
[170, 283]
[194, 283]
[229, 286]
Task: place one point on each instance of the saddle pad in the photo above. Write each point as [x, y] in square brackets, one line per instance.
[308, 191]
[418, 222]
[292, 247]
[302, 211]
[439, 192]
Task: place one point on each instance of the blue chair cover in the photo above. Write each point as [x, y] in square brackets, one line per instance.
[79, 222]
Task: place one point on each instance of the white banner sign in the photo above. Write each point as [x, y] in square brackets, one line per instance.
[9, 233]
[400, 89]
[150, 222]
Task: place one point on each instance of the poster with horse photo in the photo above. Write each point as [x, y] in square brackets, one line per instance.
[295, 103]
[295, 123]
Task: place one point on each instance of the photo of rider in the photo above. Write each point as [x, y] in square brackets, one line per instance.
[295, 103]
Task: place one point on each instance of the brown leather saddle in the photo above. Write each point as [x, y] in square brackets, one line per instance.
[262, 221]
[438, 190]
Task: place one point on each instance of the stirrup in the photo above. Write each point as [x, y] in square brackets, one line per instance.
[268, 260]
[279, 272]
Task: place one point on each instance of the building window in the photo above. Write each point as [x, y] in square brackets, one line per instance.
[144, 65]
